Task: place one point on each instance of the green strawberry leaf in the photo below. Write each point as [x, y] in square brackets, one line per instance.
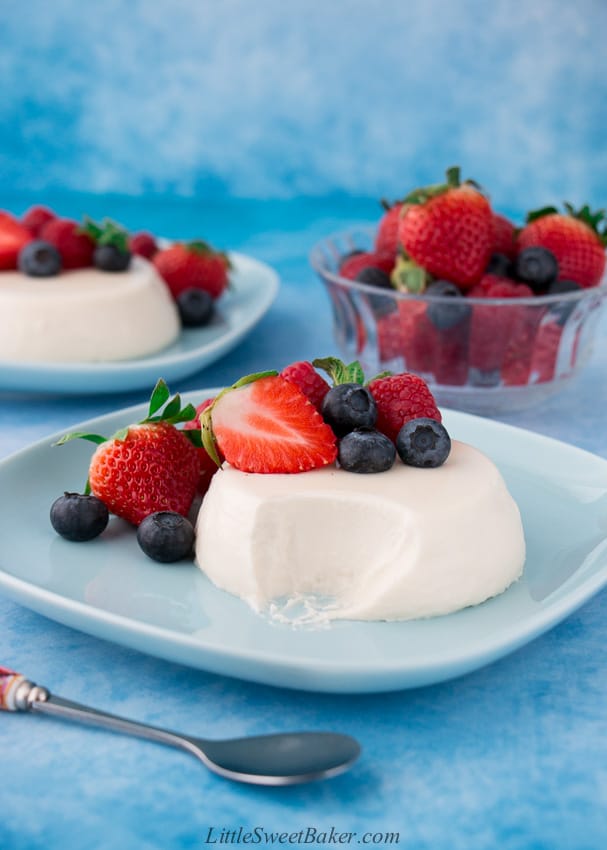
[194, 435]
[172, 409]
[80, 435]
[535, 214]
[187, 414]
[160, 395]
[121, 434]
[453, 175]
[407, 276]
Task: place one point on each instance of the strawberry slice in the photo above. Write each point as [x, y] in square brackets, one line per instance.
[13, 236]
[266, 424]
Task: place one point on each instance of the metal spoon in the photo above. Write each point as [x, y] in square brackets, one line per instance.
[281, 759]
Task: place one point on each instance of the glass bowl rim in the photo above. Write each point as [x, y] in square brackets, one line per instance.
[316, 259]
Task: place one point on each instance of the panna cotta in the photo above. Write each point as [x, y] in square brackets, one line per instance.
[397, 545]
[86, 315]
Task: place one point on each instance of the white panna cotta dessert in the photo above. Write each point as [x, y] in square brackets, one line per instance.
[86, 315]
[401, 544]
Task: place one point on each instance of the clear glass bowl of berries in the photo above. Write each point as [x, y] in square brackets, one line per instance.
[495, 318]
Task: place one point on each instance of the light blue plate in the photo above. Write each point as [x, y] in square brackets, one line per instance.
[253, 288]
[108, 588]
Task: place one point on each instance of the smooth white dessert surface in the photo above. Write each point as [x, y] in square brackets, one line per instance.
[86, 315]
[401, 544]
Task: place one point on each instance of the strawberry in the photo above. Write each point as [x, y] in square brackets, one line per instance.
[503, 239]
[13, 236]
[208, 467]
[264, 423]
[447, 230]
[143, 244]
[573, 238]
[35, 219]
[386, 239]
[355, 263]
[305, 376]
[75, 246]
[147, 467]
[193, 265]
[400, 398]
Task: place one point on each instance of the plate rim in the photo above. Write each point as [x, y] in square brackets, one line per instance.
[385, 676]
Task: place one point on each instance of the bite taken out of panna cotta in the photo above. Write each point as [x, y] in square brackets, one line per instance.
[86, 315]
[350, 501]
[401, 544]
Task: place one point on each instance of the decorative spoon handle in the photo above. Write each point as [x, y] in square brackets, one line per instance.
[17, 693]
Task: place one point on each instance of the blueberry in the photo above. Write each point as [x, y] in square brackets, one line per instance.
[380, 304]
[562, 309]
[559, 286]
[423, 442]
[195, 307]
[109, 258]
[353, 253]
[77, 517]
[166, 536]
[348, 406]
[366, 450]
[39, 259]
[501, 265]
[537, 267]
[445, 316]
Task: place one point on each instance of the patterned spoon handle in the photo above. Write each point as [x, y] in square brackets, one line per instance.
[17, 693]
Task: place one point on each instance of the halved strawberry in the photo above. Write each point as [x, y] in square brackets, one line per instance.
[13, 236]
[266, 424]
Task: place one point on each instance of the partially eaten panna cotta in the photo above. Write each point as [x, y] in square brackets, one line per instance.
[86, 315]
[402, 544]
[407, 542]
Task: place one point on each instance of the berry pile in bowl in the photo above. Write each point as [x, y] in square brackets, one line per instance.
[493, 316]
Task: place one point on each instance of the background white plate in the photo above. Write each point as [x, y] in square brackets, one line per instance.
[108, 588]
[253, 288]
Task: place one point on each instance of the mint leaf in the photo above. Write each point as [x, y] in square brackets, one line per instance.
[354, 373]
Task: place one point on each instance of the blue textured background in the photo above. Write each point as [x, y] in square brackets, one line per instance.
[265, 126]
[278, 100]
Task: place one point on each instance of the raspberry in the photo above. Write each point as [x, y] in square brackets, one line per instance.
[400, 398]
[355, 263]
[305, 376]
[493, 326]
[143, 244]
[76, 248]
[35, 219]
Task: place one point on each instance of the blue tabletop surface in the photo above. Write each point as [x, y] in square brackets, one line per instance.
[513, 756]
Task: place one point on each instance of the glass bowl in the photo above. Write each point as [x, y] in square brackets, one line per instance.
[483, 355]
